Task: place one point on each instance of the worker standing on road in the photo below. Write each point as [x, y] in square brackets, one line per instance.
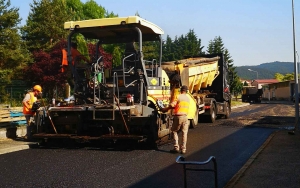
[28, 101]
[180, 121]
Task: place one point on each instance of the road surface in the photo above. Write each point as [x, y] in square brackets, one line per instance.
[232, 141]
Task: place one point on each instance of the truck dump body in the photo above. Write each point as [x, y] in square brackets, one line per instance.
[251, 94]
[196, 73]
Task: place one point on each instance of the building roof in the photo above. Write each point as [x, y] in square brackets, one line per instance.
[266, 81]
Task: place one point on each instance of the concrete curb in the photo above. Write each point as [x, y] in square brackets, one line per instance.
[240, 173]
[13, 149]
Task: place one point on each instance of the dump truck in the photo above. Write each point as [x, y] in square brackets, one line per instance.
[251, 94]
[125, 102]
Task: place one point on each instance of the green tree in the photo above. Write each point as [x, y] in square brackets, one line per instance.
[193, 44]
[168, 50]
[217, 46]
[13, 54]
[45, 24]
[184, 45]
[117, 57]
[91, 10]
[245, 84]
[76, 7]
[88, 10]
[238, 86]
[278, 77]
[151, 50]
[288, 76]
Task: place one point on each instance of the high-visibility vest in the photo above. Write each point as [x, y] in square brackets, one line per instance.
[32, 99]
[64, 61]
[182, 105]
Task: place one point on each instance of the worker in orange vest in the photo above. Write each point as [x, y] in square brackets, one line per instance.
[76, 55]
[180, 121]
[29, 99]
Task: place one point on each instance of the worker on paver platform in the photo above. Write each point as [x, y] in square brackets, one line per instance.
[180, 121]
[29, 99]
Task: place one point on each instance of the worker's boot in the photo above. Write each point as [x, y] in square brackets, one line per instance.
[175, 150]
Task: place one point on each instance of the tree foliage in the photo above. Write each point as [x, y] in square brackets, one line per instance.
[13, 55]
[217, 46]
[46, 69]
[117, 57]
[289, 76]
[279, 77]
[107, 57]
[88, 10]
[285, 77]
[45, 24]
[185, 45]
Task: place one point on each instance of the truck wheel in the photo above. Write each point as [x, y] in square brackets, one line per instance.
[194, 122]
[227, 110]
[212, 116]
[243, 99]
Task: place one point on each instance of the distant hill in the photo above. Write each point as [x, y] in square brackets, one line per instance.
[265, 70]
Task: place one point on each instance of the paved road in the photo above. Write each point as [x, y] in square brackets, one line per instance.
[91, 167]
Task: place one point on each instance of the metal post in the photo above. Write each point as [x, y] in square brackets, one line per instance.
[297, 61]
[295, 73]
[10, 96]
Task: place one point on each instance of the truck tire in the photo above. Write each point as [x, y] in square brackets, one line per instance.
[212, 114]
[243, 99]
[194, 122]
[227, 110]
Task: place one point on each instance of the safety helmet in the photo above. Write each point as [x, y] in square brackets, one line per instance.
[37, 88]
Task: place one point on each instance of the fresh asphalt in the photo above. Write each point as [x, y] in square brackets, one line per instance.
[274, 164]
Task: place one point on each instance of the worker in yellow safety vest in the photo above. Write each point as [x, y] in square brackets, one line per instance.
[28, 101]
[180, 121]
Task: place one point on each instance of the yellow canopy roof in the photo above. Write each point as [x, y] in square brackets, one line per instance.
[113, 29]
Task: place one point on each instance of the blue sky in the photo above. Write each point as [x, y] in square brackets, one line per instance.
[254, 31]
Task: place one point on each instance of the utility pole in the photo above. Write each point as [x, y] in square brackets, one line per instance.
[295, 73]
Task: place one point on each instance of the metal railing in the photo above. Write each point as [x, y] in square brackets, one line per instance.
[181, 160]
[126, 72]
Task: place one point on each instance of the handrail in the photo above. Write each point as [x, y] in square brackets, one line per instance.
[97, 71]
[152, 67]
[115, 81]
[124, 72]
[181, 160]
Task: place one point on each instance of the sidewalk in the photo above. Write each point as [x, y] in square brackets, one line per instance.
[8, 145]
[275, 164]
